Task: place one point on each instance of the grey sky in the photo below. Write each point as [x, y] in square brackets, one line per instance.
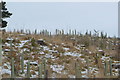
[81, 16]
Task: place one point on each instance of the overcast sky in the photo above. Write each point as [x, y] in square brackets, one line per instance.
[82, 16]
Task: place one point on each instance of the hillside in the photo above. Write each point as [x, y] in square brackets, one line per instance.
[59, 56]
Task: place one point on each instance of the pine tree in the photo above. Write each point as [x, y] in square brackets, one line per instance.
[4, 14]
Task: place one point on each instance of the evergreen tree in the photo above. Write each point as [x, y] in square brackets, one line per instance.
[4, 14]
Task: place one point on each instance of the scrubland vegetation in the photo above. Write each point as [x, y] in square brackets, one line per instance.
[27, 54]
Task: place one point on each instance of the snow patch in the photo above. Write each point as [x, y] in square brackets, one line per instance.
[6, 71]
[57, 68]
[72, 54]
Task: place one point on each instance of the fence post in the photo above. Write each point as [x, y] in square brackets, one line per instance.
[0, 56]
[105, 68]
[44, 66]
[35, 31]
[12, 69]
[77, 71]
[29, 32]
[75, 32]
[69, 31]
[62, 32]
[46, 74]
[22, 62]
[40, 70]
[28, 69]
[87, 62]
[110, 62]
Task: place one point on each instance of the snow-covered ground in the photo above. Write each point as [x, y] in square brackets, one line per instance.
[59, 61]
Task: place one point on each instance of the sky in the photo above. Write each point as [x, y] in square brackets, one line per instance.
[61, 0]
[82, 16]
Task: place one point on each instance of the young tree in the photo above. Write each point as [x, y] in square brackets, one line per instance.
[4, 13]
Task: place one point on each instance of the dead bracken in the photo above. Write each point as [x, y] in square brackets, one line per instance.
[74, 55]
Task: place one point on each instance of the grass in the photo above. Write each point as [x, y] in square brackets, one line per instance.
[55, 47]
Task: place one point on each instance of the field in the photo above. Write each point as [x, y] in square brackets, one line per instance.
[60, 55]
